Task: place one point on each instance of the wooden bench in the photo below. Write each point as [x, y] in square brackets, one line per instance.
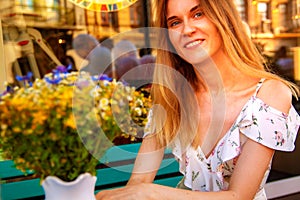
[113, 171]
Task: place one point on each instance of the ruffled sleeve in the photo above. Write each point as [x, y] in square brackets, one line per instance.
[147, 129]
[270, 127]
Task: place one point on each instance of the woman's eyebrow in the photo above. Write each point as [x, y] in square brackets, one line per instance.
[195, 8]
[170, 18]
[191, 10]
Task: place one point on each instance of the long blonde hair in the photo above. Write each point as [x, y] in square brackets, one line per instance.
[237, 45]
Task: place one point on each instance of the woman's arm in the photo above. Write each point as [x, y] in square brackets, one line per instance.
[147, 162]
[246, 178]
[146, 165]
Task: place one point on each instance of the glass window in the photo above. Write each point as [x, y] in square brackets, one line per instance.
[25, 5]
[241, 7]
[262, 10]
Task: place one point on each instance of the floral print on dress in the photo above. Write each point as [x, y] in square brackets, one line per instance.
[279, 138]
[271, 127]
[257, 121]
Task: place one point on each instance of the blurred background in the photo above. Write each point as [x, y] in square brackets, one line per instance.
[274, 26]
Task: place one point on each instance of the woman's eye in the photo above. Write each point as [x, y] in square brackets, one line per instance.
[174, 23]
[198, 14]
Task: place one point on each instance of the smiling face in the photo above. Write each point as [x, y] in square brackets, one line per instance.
[192, 34]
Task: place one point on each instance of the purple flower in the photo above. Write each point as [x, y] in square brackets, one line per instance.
[53, 81]
[102, 77]
[25, 78]
[62, 69]
[9, 89]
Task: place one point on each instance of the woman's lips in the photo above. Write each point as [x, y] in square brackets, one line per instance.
[193, 43]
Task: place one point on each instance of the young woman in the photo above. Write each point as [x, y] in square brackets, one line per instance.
[224, 122]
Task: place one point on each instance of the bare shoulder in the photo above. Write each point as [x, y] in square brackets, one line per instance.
[276, 94]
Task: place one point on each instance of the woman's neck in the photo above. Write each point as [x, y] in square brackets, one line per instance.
[217, 75]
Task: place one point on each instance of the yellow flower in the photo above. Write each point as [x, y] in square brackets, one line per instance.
[138, 111]
[103, 102]
[2, 134]
[70, 122]
[39, 117]
[20, 160]
[17, 129]
[104, 115]
[4, 126]
[34, 115]
[27, 131]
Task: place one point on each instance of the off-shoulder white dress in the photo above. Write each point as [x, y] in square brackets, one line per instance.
[257, 121]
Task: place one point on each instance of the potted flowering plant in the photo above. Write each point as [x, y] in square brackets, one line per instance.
[49, 126]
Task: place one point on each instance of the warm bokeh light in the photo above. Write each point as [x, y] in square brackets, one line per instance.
[103, 5]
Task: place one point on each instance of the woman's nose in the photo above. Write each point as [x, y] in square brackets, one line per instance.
[188, 28]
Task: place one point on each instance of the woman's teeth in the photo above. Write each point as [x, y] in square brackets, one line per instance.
[189, 45]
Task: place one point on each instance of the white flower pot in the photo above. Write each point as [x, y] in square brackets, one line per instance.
[80, 189]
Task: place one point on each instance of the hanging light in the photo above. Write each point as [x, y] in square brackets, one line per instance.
[103, 5]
